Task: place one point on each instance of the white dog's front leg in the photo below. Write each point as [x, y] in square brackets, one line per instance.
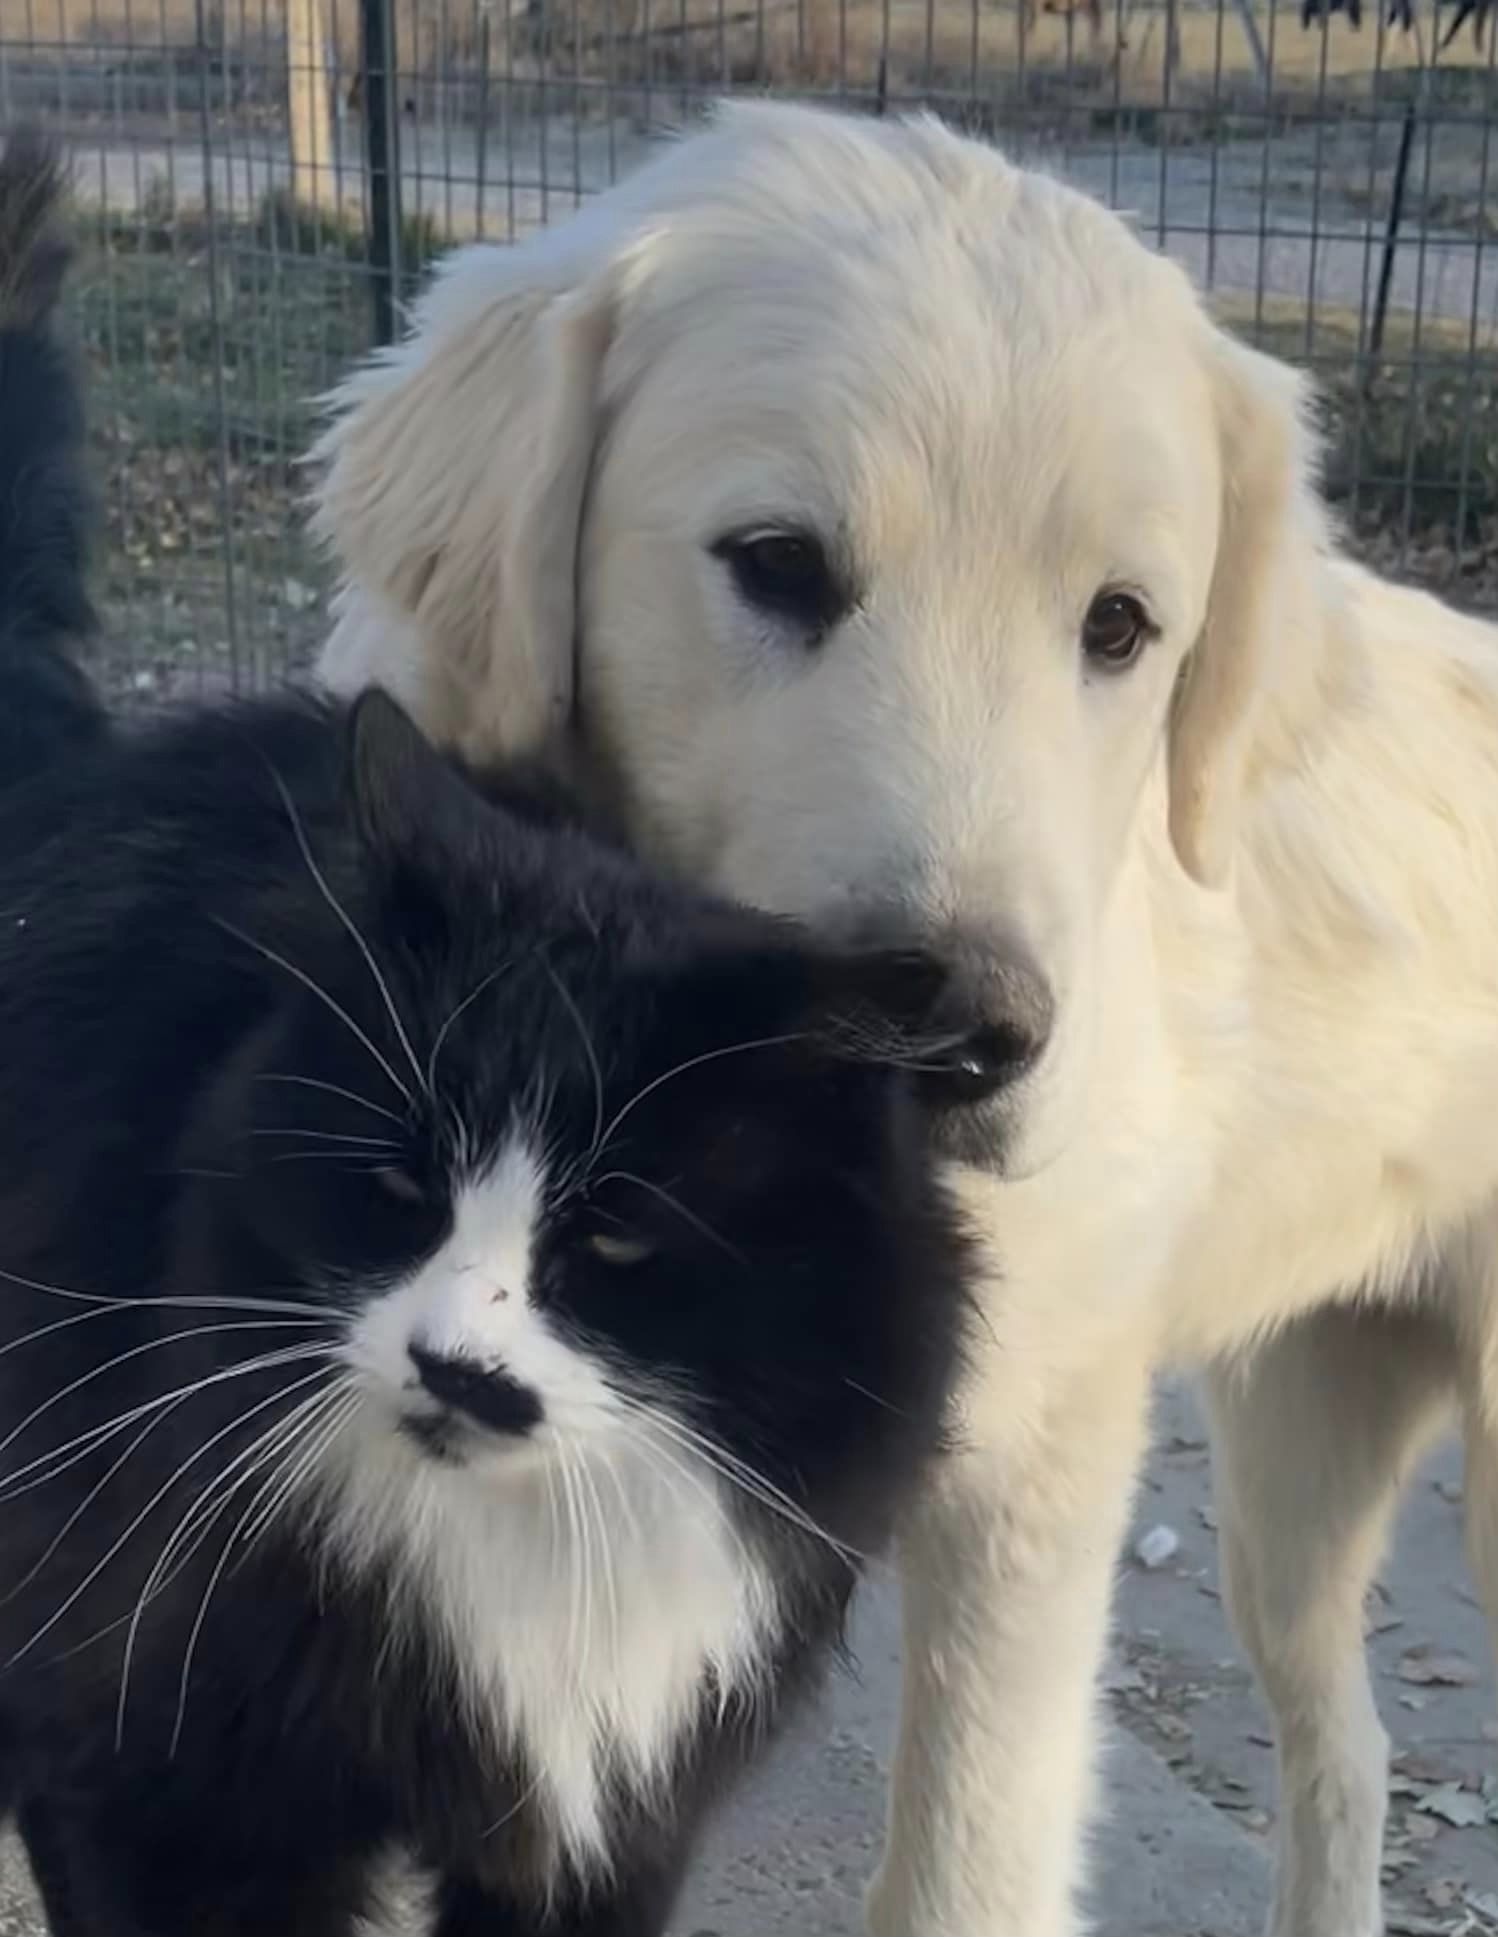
[1006, 1567]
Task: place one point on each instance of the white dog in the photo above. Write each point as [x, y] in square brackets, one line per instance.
[897, 542]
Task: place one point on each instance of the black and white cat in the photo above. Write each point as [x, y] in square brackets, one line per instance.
[466, 1308]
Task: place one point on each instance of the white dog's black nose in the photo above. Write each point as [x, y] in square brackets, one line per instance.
[1000, 1014]
[988, 1061]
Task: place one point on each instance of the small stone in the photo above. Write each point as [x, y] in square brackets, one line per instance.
[1155, 1548]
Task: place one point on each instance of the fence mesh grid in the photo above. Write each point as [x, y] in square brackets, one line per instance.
[260, 180]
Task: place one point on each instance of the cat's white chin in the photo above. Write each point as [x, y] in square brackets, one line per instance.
[593, 1588]
[584, 1568]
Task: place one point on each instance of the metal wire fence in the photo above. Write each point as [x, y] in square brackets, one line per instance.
[264, 181]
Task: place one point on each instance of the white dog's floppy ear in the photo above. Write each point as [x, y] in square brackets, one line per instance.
[1264, 602]
[451, 495]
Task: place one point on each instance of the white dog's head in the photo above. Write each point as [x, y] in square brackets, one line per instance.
[854, 500]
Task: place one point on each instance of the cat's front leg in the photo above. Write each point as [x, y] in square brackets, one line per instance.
[117, 1867]
[636, 1902]
[53, 1857]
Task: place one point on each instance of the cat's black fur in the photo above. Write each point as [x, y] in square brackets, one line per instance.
[184, 917]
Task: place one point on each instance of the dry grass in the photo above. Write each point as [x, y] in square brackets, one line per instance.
[1412, 438]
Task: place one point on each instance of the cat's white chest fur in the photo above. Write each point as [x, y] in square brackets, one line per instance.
[587, 1577]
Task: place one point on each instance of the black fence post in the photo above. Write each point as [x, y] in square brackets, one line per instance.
[1391, 237]
[382, 162]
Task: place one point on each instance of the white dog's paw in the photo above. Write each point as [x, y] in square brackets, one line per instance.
[894, 1908]
[1345, 1912]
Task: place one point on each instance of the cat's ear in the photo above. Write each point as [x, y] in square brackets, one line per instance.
[409, 805]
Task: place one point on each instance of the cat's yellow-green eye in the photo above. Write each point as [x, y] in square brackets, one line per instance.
[400, 1185]
[617, 1247]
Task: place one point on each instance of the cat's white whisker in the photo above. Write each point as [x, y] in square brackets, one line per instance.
[86, 1502]
[217, 1573]
[332, 1089]
[512, 1812]
[621, 1492]
[71, 1451]
[328, 1136]
[349, 924]
[186, 1539]
[601, 1553]
[340, 1404]
[606, 1554]
[585, 1037]
[311, 984]
[124, 1358]
[676, 1473]
[681, 1069]
[699, 1224]
[204, 1513]
[182, 1561]
[107, 1311]
[747, 1478]
[125, 1301]
[234, 1425]
[94, 1572]
[575, 1570]
[484, 983]
[358, 1163]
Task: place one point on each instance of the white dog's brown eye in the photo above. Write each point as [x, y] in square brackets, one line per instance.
[400, 1185]
[617, 1247]
[785, 574]
[1115, 631]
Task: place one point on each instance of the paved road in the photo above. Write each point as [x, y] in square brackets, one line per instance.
[1189, 1773]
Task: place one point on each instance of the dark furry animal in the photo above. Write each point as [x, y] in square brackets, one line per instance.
[1401, 14]
[465, 1307]
[44, 499]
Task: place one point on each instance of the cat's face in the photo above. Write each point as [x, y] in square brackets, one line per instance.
[577, 1159]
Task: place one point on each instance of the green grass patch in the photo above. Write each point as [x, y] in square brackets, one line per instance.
[208, 351]
[1412, 434]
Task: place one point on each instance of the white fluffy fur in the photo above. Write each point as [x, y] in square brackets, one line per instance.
[587, 1577]
[1260, 869]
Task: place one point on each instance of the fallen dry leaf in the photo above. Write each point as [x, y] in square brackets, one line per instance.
[1460, 1807]
[1436, 1671]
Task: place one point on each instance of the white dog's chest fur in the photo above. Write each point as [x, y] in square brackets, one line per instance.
[585, 1605]
[1282, 1113]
